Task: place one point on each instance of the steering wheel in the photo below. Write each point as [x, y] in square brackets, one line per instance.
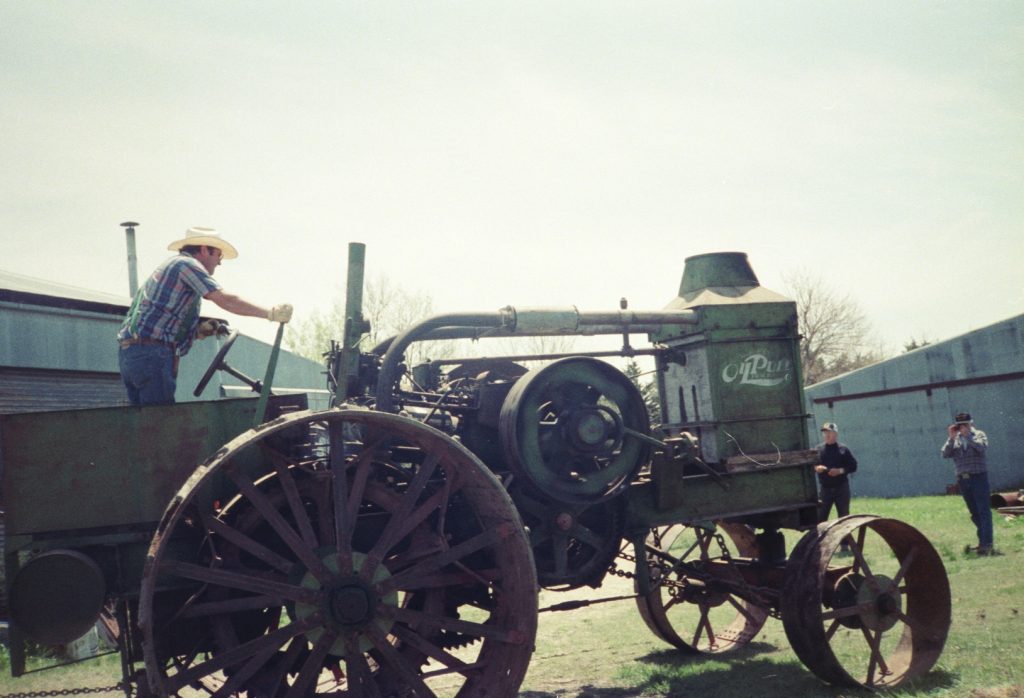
[217, 363]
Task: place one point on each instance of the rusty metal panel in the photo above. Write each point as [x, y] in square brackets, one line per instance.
[105, 467]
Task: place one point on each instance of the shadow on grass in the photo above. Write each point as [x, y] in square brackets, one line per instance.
[671, 673]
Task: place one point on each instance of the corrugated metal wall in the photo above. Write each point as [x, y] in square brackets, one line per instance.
[894, 415]
[35, 390]
[60, 352]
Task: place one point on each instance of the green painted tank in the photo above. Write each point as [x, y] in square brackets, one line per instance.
[733, 379]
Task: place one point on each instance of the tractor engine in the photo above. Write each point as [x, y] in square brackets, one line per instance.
[566, 439]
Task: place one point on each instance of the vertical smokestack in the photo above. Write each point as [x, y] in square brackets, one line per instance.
[716, 269]
[129, 238]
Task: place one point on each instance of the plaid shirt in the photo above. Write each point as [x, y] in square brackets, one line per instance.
[967, 452]
[166, 308]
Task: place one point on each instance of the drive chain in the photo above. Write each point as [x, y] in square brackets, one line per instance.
[117, 688]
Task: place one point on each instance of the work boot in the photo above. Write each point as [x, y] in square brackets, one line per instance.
[984, 550]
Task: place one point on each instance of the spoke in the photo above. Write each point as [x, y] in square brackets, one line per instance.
[248, 603]
[320, 493]
[742, 610]
[238, 580]
[858, 554]
[244, 651]
[478, 542]
[664, 554]
[362, 466]
[284, 664]
[672, 601]
[831, 630]
[916, 626]
[240, 540]
[704, 538]
[291, 493]
[584, 534]
[436, 502]
[538, 535]
[904, 566]
[339, 495]
[847, 611]
[409, 673]
[448, 670]
[560, 549]
[413, 554]
[273, 517]
[311, 668]
[420, 643]
[360, 676]
[465, 627]
[530, 506]
[876, 656]
[703, 623]
[238, 678]
[392, 531]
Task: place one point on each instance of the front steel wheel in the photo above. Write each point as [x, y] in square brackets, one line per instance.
[876, 617]
[697, 602]
[346, 552]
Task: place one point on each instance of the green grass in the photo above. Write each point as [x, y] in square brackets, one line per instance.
[607, 651]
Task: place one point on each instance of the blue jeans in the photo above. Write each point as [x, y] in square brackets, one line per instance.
[976, 494]
[148, 373]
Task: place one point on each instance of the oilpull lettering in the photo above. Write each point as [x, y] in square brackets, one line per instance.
[757, 369]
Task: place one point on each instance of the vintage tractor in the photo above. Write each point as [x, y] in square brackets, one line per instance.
[394, 544]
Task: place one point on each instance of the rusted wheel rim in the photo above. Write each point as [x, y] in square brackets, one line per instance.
[877, 618]
[379, 558]
[689, 607]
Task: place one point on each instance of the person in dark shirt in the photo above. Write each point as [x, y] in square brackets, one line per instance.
[835, 464]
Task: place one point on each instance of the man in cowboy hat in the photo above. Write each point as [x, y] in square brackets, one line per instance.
[164, 318]
[966, 446]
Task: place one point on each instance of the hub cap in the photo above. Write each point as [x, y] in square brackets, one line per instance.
[349, 604]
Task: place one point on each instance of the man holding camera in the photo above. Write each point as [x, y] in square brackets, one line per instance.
[966, 446]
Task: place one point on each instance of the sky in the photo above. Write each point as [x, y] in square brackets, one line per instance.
[525, 153]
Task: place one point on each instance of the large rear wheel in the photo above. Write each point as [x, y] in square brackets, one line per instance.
[347, 553]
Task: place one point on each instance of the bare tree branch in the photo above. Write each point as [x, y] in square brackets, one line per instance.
[837, 335]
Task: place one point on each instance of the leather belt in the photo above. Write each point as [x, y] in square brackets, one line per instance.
[967, 476]
[125, 343]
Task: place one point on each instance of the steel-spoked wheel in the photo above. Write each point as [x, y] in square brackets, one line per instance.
[347, 553]
[697, 601]
[877, 617]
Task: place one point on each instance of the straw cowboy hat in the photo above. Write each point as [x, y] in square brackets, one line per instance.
[197, 235]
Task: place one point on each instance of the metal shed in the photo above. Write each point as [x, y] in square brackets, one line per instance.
[57, 351]
[893, 415]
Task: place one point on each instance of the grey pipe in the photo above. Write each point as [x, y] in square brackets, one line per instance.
[508, 322]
